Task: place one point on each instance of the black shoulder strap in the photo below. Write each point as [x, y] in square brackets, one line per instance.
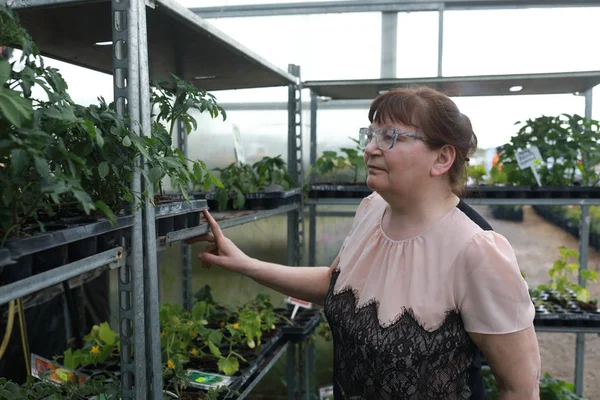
[475, 375]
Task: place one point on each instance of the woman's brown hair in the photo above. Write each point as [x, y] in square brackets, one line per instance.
[437, 117]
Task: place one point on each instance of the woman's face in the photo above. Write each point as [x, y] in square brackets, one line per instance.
[402, 170]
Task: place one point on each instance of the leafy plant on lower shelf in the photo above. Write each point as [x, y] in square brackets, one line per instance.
[562, 288]
[100, 346]
[107, 386]
[550, 388]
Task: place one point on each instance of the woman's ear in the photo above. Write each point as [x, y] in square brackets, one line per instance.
[445, 157]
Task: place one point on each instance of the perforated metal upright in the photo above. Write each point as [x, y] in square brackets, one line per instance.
[125, 15]
[295, 167]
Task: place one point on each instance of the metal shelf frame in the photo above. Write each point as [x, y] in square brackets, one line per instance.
[137, 52]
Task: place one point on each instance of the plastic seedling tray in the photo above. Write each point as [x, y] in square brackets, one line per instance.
[570, 316]
[49, 247]
[339, 191]
[305, 323]
[533, 192]
[257, 200]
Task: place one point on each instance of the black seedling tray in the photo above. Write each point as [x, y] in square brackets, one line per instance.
[256, 201]
[533, 192]
[305, 322]
[65, 238]
[341, 191]
[571, 316]
[245, 375]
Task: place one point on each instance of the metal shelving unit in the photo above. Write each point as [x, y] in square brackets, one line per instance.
[358, 93]
[138, 41]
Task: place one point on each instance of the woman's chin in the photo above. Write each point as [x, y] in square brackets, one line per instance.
[372, 183]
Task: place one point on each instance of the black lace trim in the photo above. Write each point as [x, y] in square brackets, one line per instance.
[401, 360]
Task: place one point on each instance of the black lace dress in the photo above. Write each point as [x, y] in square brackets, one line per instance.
[401, 359]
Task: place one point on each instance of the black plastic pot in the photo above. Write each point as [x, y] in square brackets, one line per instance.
[306, 322]
[339, 191]
[507, 213]
[21, 269]
[165, 225]
[533, 192]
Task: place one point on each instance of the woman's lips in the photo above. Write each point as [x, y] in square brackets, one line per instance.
[375, 169]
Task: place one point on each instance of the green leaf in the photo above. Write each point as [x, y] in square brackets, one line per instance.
[228, 366]
[587, 274]
[215, 337]
[4, 72]
[103, 169]
[126, 141]
[112, 218]
[106, 334]
[41, 166]
[214, 350]
[15, 108]
[18, 159]
[216, 181]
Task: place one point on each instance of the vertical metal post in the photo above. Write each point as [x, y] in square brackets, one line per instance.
[312, 209]
[389, 44]
[125, 17]
[584, 238]
[440, 40]
[291, 371]
[182, 145]
[584, 241]
[295, 168]
[186, 250]
[152, 331]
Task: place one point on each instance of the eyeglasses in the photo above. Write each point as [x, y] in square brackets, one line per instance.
[384, 137]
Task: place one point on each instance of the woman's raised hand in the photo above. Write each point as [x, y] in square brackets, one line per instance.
[221, 251]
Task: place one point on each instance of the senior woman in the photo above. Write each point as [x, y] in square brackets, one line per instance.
[421, 284]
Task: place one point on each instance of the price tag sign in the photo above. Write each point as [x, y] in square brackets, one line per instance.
[297, 304]
[530, 158]
[205, 380]
[55, 372]
[326, 393]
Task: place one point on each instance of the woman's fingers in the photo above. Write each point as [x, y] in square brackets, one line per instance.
[209, 237]
[214, 227]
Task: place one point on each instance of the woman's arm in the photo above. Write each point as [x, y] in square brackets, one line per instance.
[515, 362]
[306, 283]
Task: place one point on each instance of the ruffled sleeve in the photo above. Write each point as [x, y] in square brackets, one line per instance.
[490, 292]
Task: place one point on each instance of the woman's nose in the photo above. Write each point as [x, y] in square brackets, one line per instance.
[372, 146]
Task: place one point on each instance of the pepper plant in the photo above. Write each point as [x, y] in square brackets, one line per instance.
[569, 146]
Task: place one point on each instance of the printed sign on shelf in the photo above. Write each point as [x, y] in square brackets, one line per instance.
[205, 380]
[56, 372]
[297, 304]
[326, 393]
[530, 158]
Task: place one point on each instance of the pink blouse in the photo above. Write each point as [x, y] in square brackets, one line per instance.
[453, 266]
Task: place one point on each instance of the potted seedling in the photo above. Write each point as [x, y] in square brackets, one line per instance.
[561, 294]
[339, 174]
[264, 184]
[570, 150]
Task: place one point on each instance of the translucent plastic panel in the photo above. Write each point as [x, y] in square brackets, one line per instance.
[520, 41]
[417, 44]
[328, 46]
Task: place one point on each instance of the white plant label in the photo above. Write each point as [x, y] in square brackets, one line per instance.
[530, 158]
[297, 304]
[237, 146]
